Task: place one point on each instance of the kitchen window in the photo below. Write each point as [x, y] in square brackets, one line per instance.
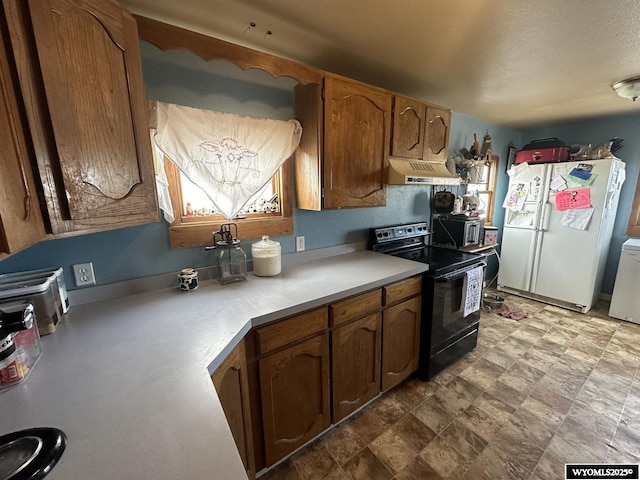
[268, 213]
[481, 186]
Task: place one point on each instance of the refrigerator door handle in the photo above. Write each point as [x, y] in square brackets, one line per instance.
[546, 215]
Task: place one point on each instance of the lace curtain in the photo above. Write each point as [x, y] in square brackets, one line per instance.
[230, 157]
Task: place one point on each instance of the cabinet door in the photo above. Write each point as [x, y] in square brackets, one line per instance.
[437, 134]
[355, 354]
[356, 138]
[21, 222]
[400, 341]
[407, 140]
[294, 384]
[232, 384]
[81, 76]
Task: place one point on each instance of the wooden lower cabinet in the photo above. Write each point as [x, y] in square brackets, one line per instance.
[295, 396]
[400, 341]
[231, 382]
[313, 369]
[355, 355]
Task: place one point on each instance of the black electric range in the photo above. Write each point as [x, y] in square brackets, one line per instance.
[447, 333]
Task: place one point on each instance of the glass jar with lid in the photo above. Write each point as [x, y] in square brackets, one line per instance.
[266, 257]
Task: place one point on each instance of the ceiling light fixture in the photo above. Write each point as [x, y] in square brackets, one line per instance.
[629, 88]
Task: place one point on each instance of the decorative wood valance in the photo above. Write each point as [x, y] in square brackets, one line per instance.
[167, 37]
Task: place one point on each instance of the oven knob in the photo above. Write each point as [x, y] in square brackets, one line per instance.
[409, 230]
[379, 235]
[386, 234]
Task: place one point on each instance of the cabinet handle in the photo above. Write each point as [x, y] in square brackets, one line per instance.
[27, 193]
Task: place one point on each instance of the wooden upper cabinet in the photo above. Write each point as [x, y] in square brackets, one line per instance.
[81, 77]
[343, 157]
[407, 140]
[21, 223]
[437, 133]
[633, 229]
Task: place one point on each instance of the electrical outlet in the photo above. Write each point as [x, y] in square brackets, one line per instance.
[84, 274]
[299, 244]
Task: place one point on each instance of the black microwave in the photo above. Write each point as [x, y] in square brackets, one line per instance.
[457, 231]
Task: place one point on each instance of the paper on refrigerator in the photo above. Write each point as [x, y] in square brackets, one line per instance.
[577, 218]
[516, 196]
[574, 198]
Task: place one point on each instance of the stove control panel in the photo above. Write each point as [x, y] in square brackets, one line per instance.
[399, 232]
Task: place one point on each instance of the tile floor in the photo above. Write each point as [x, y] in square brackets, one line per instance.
[556, 387]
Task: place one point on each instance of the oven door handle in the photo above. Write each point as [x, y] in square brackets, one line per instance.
[459, 273]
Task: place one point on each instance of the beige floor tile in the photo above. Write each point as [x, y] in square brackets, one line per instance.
[549, 467]
[521, 376]
[493, 465]
[393, 451]
[366, 466]
[498, 410]
[517, 444]
[507, 394]
[418, 469]
[540, 421]
[337, 474]
[413, 431]
[480, 423]
[388, 409]
[433, 416]
[483, 373]
[367, 425]
[284, 471]
[408, 394]
[576, 443]
[546, 392]
[627, 439]
[445, 460]
[314, 462]
[464, 440]
[343, 443]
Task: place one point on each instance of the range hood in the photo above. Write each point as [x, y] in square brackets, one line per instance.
[420, 172]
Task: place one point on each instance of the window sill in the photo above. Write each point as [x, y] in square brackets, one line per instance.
[201, 234]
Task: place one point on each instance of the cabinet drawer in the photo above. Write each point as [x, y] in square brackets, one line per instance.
[404, 289]
[291, 330]
[354, 307]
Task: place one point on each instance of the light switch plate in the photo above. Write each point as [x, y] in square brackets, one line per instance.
[83, 272]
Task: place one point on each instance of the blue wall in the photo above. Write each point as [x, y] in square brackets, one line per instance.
[596, 132]
[179, 77]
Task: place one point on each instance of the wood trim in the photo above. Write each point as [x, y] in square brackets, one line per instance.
[633, 228]
[167, 37]
[194, 234]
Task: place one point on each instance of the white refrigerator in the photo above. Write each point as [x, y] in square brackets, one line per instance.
[552, 251]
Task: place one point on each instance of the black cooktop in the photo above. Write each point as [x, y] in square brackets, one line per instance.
[409, 241]
[441, 259]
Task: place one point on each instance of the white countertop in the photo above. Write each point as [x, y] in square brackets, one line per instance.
[128, 381]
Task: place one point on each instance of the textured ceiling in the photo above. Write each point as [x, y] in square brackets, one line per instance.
[518, 63]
